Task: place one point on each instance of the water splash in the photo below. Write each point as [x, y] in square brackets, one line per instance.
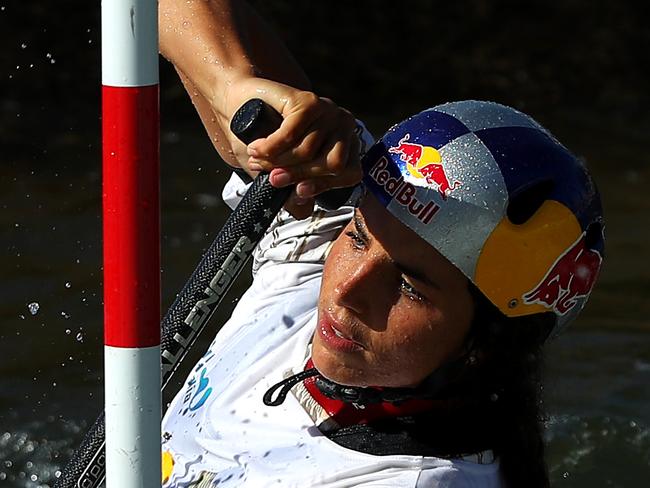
[30, 460]
[33, 308]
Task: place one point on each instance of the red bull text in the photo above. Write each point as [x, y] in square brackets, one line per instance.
[424, 162]
[402, 192]
[571, 277]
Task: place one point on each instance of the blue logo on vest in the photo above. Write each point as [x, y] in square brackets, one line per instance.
[202, 392]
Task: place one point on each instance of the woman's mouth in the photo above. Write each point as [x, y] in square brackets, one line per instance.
[336, 336]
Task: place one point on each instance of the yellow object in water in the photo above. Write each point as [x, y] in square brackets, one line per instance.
[167, 466]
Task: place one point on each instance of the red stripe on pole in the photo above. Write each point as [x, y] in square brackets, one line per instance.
[131, 216]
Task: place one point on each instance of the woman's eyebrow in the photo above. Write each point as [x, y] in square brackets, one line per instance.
[418, 275]
[360, 227]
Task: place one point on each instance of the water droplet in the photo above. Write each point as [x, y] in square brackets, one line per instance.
[23, 45]
[67, 284]
[68, 331]
[33, 308]
[80, 337]
[65, 315]
[565, 474]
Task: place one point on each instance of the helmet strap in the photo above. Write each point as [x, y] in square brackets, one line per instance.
[430, 388]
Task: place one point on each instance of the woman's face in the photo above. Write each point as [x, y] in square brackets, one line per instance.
[391, 309]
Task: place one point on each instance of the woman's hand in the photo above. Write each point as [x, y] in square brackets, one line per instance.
[315, 148]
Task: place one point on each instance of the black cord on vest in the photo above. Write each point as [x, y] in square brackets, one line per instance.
[434, 383]
[286, 385]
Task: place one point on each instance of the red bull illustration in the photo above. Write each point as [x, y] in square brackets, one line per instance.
[424, 162]
[402, 192]
[571, 277]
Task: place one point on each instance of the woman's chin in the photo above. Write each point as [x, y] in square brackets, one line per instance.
[334, 369]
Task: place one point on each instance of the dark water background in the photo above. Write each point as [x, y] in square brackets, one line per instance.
[580, 67]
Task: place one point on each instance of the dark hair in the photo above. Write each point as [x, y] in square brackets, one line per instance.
[509, 360]
[493, 401]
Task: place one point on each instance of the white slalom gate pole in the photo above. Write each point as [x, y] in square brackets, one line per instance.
[131, 221]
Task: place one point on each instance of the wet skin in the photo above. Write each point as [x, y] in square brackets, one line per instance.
[391, 309]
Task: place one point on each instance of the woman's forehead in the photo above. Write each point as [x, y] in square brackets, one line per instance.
[402, 244]
[388, 230]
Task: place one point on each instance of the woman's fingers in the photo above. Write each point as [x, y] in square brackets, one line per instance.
[308, 126]
[299, 112]
[299, 207]
[306, 151]
[337, 166]
[315, 147]
[313, 188]
[338, 157]
[301, 202]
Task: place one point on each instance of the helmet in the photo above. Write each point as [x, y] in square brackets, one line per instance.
[498, 196]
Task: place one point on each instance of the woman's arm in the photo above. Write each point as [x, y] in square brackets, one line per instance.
[215, 45]
[225, 54]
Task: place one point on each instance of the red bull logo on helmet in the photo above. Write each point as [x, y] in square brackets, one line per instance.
[402, 192]
[571, 277]
[424, 162]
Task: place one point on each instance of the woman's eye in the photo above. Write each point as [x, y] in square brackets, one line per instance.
[409, 290]
[356, 240]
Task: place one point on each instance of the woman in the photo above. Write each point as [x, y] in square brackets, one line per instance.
[396, 344]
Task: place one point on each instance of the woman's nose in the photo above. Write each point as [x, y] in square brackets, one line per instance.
[361, 285]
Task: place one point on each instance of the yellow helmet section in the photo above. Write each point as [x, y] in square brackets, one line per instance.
[515, 258]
